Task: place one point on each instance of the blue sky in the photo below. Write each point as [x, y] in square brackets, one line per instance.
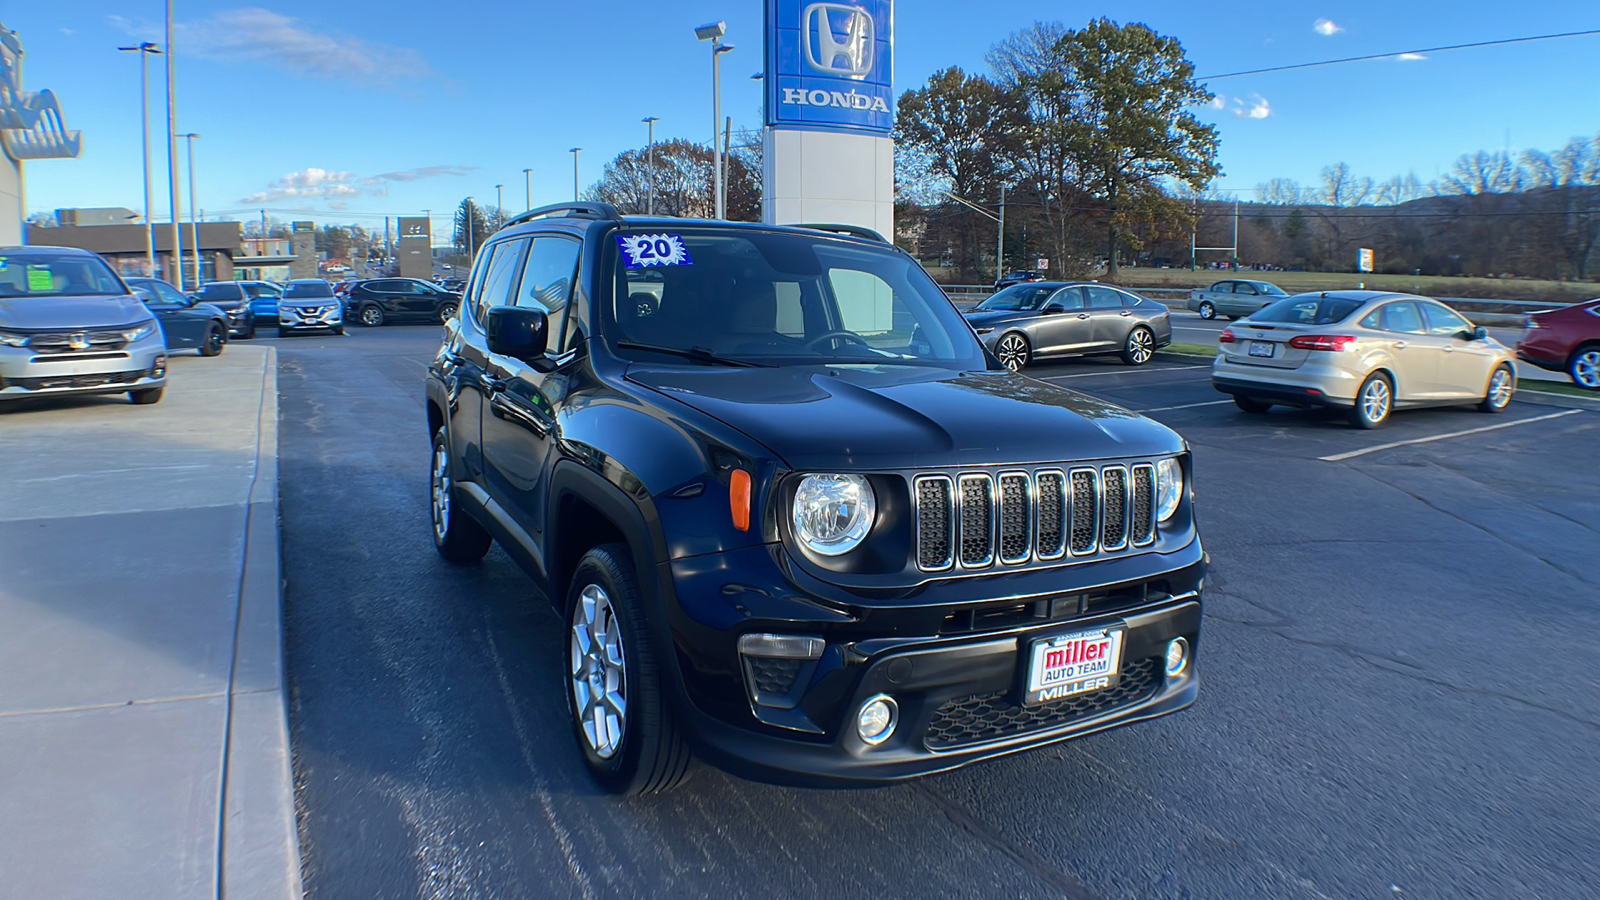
[405, 105]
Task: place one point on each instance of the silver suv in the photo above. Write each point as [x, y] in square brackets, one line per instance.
[68, 325]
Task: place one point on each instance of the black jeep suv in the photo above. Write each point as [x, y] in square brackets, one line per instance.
[794, 516]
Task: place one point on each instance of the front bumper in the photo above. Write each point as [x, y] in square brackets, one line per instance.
[330, 316]
[25, 373]
[956, 681]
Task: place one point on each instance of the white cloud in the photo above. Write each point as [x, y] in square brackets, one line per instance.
[1219, 102]
[1410, 57]
[260, 36]
[1326, 27]
[321, 184]
[1258, 108]
[68, 32]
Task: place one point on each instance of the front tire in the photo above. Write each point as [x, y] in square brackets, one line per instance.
[447, 311]
[284, 332]
[456, 535]
[1374, 402]
[1207, 310]
[621, 717]
[1502, 384]
[1251, 405]
[338, 330]
[216, 337]
[146, 397]
[1140, 346]
[1584, 367]
[1013, 352]
[371, 316]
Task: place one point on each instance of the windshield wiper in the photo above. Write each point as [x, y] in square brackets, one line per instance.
[698, 354]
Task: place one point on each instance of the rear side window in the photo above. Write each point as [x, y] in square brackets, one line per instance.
[1308, 309]
[1103, 298]
[1221, 287]
[1403, 318]
[547, 279]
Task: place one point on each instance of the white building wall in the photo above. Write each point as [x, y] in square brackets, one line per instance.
[10, 201]
[829, 176]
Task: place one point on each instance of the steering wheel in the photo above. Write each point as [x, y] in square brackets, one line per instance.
[850, 336]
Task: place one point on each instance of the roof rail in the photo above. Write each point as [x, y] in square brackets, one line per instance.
[575, 208]
[852, 230]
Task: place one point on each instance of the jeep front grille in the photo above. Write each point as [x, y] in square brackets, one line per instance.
[975, 520]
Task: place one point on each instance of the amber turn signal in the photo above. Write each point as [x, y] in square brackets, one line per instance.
[739, 498]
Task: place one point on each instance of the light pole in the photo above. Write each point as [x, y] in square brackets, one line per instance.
[650, 121]
[527, 189]
[471, 222]
[575, 151]
[172, 158]
[194, 227]
[144, 50]
[500, 203]
[713, 33]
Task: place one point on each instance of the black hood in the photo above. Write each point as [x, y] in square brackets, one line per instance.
[894, 417]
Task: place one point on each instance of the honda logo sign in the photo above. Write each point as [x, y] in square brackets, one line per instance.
[838, 39]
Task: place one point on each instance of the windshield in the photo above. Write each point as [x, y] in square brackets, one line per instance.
[309, 289]
[779, 299]
[1308, 309]
[1018, 297]
[42, 273]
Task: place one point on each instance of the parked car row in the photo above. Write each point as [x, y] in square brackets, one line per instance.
[1054, 319]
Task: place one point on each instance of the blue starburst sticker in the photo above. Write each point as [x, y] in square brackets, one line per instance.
[644, 250]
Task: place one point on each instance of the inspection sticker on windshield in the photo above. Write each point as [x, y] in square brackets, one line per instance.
[39, 279]
[644, 250]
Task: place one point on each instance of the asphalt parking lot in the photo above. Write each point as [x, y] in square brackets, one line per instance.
[1399, 697]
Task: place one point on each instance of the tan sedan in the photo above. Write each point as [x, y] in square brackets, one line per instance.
[1368, 352]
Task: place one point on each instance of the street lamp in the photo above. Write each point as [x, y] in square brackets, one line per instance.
[144, 50]
[500, 202]
[194, 227]
[650, 208]
[172, 157]
[575, 151]
[527, 189]
[713, 33]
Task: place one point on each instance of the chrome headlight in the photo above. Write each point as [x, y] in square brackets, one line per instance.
[983, 331]
[140, 331]
[833, 513]
[11, 339]
[1169, 487]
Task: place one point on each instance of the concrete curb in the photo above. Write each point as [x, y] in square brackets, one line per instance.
[259, 847]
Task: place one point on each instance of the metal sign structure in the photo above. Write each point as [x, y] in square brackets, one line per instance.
[830, 65]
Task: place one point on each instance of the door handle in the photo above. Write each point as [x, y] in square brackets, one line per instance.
[1399, 345]
[495, 385]
[1083, 315]
[1124, 313]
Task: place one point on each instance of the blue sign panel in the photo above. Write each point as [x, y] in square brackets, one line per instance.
[830, 65]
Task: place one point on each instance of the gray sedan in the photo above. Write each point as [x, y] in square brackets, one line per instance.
[1233, 298]
[1056, 319]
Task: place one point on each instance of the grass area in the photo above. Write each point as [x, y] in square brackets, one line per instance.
[1426, 285]
[1556, 387]
[1206, 350]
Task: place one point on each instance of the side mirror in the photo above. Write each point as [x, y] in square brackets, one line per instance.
[1052, 310]
[1480, 333]
[519, 333]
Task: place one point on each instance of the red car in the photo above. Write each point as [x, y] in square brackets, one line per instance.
[1565, 340]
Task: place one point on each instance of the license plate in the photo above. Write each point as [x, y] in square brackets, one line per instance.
[1262, 348]
[1070, 664]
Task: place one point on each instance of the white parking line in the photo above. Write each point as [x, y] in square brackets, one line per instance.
[1439, 437]
[1184, 406]
[1121, 372]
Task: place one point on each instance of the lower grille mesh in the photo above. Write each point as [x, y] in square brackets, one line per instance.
[989, 717]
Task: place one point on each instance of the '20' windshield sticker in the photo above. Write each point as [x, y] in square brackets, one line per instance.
[644, 250]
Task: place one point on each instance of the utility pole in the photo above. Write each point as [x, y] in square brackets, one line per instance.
[1000, 249]
[1236, 232]
[194, 225]
[650, 205]
[527, 189]
[575, 151]
[144, 50]
[500, 201]
[727, 150]
[172, 158]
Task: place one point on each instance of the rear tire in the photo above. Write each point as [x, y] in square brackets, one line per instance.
[446, 311]
[1013, 352]
[633, 746]
[1140, 346]
[371, 316]
[456, 535]
[1207, 310]
[1584, 367]
[216, 337]
[1502, 385]
[338, 329]
[146, 397]
[1374, 402]
[1251, 405]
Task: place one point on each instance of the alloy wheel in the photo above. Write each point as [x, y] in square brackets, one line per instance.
[599, 680]
[1500, 388]
[1586, 369]
[446, 312]
[1375, 400]
[441, 492]
[372, 316]
[1012, 352]
[1141, 346]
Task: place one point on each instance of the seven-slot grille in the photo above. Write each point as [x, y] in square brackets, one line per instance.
[974, 520]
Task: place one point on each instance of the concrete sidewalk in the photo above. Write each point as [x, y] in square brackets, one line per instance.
[144, 747]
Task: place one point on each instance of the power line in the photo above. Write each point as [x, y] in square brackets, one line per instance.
[1331, 62]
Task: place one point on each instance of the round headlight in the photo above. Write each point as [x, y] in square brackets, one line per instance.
[1169, 487]
[833, 513]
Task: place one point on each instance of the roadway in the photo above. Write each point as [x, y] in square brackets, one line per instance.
[1399, 697]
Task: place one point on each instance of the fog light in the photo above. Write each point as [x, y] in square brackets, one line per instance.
[160, 368]
[1177, 657]
[877, 719]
